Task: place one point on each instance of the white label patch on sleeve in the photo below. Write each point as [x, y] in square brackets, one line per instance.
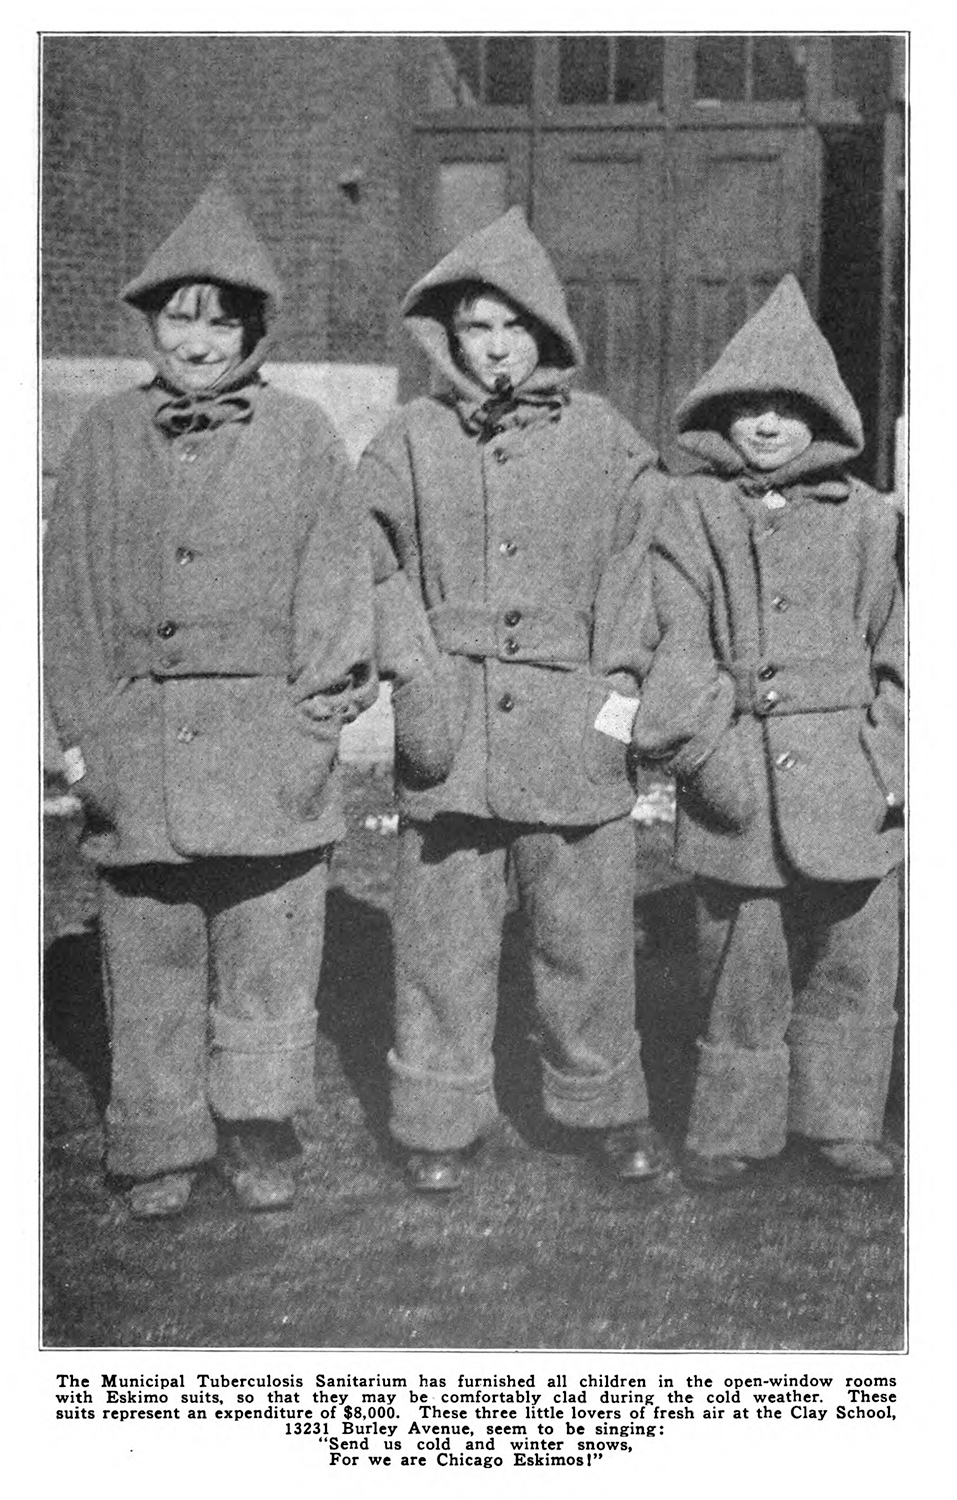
[617, 716]
[73, 761]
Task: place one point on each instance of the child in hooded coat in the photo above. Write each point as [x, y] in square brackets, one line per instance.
[509, 504]
[776, 698]
[208, 629]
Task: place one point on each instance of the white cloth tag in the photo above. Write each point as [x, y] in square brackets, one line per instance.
[75, 767]
[617, 716]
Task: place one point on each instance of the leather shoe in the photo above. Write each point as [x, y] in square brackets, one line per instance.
[632, 1153]
[713, 1171]
[160, 1197]
[435, 1171]
[255, 1158]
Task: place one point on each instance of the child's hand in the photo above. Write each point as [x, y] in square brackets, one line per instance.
[344, 700]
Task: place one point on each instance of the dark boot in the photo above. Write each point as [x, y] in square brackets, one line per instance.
[435, 1171]
[632, 1152]
[256, 1158]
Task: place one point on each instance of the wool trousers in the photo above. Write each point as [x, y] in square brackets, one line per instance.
[576, 890]
[801, 983]
[211, 971]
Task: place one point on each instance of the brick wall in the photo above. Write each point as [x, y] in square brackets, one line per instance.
[135, 126]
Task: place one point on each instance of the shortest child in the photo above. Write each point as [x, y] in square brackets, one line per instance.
[776, 699]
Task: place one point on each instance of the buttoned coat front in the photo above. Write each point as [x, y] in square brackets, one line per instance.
[199, 590]
[789, 744]
[523, 547]
[776, 695]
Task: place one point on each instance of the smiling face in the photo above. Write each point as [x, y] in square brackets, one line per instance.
[200, 340]
[495, 338]
[768, 431]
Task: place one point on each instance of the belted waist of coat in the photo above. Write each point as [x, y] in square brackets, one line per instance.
[521, 633]
[803, 685]
[230, 648]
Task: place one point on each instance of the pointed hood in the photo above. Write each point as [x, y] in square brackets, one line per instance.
[507, 257]
[780, 348]
[214, 243]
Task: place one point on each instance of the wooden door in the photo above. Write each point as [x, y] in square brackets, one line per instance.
[598, 209]
[742, 217]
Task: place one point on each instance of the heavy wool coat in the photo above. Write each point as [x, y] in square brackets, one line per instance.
[776, 694]
[513, 538]
[199, 591]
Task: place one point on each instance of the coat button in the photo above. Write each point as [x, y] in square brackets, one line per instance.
[780, 603]
[188, 454]
[769, 699]
[513, 617]
[166, 629]
[785, 761]
[766, 673]
[511, 646]
[186, 734]
[184, 554]
[501, 456]
[506, 703]
[508, 549]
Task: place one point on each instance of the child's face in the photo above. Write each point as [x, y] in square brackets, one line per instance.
[769, 431]
[201, 343]
[495, 338]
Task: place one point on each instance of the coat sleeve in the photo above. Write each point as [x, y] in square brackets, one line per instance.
[884, 729]
[623, 605]
[333, 633]
[78, 673]
[687, 702]
[406, 646]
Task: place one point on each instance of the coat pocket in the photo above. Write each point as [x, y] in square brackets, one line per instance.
[720, 793]
[605, 759]
[430, 712]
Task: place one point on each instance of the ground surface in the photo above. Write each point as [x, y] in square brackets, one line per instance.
[537, 1252]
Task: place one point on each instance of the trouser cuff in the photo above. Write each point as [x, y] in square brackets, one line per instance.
[593, 1100]
[840, 1076]
[138, 1147]
[439, 1111]
[260, 1070]
[740, 1105]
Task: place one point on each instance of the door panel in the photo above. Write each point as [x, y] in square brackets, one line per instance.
[599, 211]
[740, 211]
[470, 178]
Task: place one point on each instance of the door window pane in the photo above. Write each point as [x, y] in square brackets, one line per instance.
[508, 70]
[778, 68]
[639, 69]
[861, 67]
[455, 72]
[583, 70]
[720, 70]
[468, 71]
[470, 195]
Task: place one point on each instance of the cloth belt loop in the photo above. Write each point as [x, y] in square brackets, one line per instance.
[801, 685]
[516, 633]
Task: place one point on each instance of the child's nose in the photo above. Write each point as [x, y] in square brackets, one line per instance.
[195, 344]
[768, 422]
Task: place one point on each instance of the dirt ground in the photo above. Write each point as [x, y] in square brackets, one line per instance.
[536, 1252]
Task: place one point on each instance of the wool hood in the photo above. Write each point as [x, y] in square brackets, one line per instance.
[780, 348]
[506, 257]
[214, 243]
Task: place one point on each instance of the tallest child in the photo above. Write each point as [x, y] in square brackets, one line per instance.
[511, 504]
